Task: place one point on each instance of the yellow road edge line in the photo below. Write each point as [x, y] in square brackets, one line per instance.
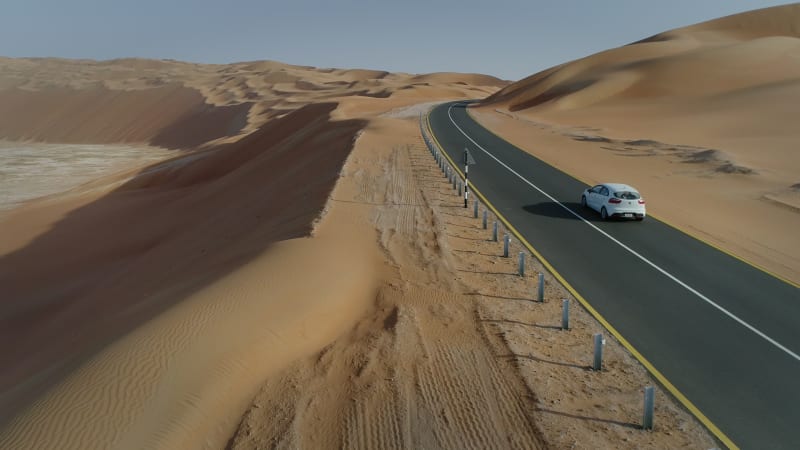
[660, 218]
[599, 317]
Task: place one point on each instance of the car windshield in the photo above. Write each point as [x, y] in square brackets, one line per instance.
[627, 195]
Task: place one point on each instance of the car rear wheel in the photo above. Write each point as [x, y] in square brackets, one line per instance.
[583, 201]
[603, 213]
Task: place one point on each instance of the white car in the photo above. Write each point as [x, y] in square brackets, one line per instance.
[614, 200]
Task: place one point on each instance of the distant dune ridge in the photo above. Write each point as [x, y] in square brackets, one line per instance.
[180, 105]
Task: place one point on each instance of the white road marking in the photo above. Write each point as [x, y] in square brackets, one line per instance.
[633, 252]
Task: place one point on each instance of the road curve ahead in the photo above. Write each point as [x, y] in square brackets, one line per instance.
[719, 334]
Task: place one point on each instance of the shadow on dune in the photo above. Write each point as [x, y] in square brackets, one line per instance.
[554, 93]
[110, 265]
[202, 124]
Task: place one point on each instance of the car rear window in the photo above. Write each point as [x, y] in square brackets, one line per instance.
[627, 195]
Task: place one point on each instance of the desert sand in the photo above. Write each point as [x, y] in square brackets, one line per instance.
[296, 272]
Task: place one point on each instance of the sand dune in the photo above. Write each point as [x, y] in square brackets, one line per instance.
[88, 269]
[720, 56]
[471, 79]
[144, 308]
[725, 87]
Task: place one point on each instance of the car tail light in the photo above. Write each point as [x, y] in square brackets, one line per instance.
[641, 201]
[614, 200]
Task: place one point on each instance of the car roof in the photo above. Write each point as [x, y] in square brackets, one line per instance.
[620, 187]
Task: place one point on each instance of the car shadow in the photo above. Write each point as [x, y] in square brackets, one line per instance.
[556, 210]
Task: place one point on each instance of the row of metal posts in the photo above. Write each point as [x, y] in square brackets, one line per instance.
[599, 341]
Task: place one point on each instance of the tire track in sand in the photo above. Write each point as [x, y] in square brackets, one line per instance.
[416, 372]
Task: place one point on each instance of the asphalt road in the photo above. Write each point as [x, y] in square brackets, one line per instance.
[725, 334]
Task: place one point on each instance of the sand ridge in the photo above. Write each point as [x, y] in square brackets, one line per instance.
[157, 102]
[123, 255]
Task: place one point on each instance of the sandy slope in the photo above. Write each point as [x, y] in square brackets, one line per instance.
[701, 119]
[79, 272]
[182, 379]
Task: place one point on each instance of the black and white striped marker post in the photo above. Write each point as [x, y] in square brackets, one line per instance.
[466, 184]
[468, 160]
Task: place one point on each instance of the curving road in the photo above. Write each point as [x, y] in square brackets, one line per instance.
[718, 333]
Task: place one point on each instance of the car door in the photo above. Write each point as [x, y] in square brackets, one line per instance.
[602, 197]
[593, 198]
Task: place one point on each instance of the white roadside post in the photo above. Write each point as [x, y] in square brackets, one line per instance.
[597, 363]
[540, 295]
[649, 407]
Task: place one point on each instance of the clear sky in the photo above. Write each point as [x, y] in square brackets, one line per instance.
[509, 39]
